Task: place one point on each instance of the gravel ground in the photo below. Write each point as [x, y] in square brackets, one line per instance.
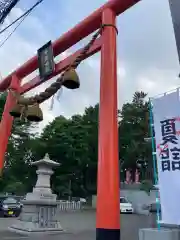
[81, 226]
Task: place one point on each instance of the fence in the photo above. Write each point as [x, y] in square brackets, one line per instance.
[69, 205]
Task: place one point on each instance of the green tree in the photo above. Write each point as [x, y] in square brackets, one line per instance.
[2, 102]
[133, 128]
[17, 188]
[18, 155]
[73, 143]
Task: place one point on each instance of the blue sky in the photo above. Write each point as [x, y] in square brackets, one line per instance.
[147, 56]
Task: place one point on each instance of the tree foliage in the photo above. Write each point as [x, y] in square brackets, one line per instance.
[73, 142]
[133, 128]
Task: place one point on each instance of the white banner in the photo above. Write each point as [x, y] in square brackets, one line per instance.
[166, 113]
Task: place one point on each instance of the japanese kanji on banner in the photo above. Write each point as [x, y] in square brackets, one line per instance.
[166, 114]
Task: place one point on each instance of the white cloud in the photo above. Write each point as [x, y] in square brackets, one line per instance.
[121, 72]
[145, 84]
[147, 58]
[157, 81]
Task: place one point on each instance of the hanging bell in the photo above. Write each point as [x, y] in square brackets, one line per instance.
[34, 113]
[71, 79]
[17, 111]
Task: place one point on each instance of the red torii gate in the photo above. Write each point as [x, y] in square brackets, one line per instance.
[108, 222]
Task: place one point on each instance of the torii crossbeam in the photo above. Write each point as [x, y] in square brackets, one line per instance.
[108, 194]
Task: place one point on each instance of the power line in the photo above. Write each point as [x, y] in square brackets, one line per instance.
[13, 31]
[22, 17]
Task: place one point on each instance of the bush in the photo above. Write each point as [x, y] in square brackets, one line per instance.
[147, 186]
[16, 188]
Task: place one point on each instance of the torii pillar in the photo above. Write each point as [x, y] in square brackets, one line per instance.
[108, 187]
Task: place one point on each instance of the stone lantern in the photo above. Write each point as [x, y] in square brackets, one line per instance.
[40, 207]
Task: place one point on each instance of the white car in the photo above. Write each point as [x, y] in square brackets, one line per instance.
[125, 206]
[82, 200]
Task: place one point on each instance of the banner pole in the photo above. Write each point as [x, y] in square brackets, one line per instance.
[154, 163]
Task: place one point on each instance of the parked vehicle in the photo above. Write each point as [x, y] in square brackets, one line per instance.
[154, 207]
[9, 207]
[126, 206]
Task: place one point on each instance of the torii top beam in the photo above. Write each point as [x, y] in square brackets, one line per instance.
[80, 31]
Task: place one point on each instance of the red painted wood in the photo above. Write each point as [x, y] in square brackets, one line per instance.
[61, 66]
[108, 186]
[70, 38]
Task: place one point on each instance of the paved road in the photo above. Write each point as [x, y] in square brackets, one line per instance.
[81, 226]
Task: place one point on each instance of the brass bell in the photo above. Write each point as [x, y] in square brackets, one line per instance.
[17, 111]
[34, 113]
[71, 79]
